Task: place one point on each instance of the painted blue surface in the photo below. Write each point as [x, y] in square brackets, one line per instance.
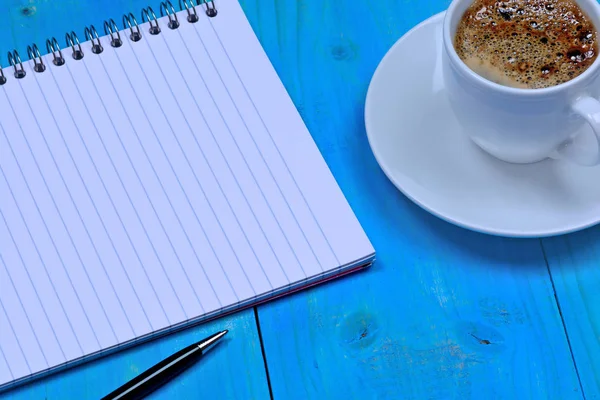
[443, 314]
[575, 265]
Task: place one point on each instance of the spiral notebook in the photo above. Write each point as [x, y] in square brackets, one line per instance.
[151, 177]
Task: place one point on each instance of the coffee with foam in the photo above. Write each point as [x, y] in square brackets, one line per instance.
[526, 43]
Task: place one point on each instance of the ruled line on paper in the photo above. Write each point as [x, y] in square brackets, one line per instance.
[116, 92]
[95, 209]
[270, 135]
[190, 164]
[199, 146]
[16, 338]
[187, 85]
[70, 236]
[22, 334]
[79, 217]
[22, 309]
[84, 302]
[288, 131]
[167, 125]
[149, 198]
[186, 116]
[253, 175]
[127, 194]
[260, 152]
[7, 365]
[243, 143]
[146, 116]
[166, 297]
[28, 294]
[195, 78]
[35, 246]
[106, 191]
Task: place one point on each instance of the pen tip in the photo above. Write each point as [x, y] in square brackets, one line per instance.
[211, 340]
[219, 335]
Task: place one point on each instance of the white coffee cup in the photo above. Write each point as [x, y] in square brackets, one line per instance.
[525, 125]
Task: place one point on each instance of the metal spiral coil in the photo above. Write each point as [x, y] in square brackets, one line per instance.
[154, 29]
[52, 47]
[210, 8]
[192, 15]
[72, 40]
[91, 33]
[110, 29]
[172, 15]
[13, 60]
[128, 22]
[34, 54]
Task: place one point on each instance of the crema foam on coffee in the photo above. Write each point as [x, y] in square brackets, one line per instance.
[526, 43]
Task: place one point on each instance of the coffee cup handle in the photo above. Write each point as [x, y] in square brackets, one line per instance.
[589, 109]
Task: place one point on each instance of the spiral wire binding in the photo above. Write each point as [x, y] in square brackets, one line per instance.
[110, 29]
[72, 40]
[127, 23]
[154, 29]
[173, 21]
[13, 60]
[33, 52]
[53, 47]
[90, 33]
[210, 8]
[192, 15]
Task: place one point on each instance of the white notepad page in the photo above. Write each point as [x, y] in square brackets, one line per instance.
[164, 181]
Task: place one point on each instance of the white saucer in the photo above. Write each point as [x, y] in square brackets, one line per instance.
[422, 150]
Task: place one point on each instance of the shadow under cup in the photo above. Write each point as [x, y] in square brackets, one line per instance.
[514, 124]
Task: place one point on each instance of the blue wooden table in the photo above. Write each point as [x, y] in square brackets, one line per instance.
[444, 313]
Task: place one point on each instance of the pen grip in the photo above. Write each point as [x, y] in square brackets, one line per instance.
[157, 375]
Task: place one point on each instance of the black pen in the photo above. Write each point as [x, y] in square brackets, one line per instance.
[161, 373]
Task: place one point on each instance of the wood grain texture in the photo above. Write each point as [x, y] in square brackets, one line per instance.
[444, 313]
[574, 262]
